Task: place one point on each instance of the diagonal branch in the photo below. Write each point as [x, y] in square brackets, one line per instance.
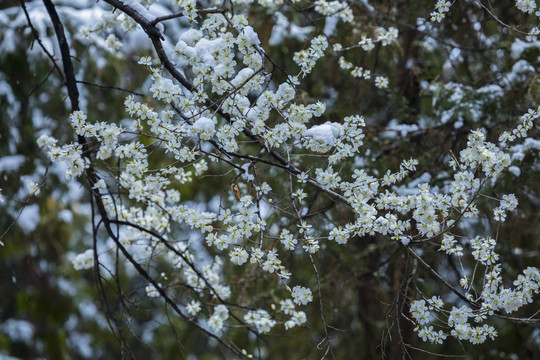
[35, 34]
[440, 278]
[71, 82]
[155, 36]
[93, 178]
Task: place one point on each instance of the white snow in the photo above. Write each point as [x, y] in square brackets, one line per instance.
[514, 170]
[491, 90]
[191, 36]
[402, 129]
[518, 151]
[283, 28]
[205, 48]
[455, 55]
[367, 5]
[65, 215]
[7, 357]
[330, 25]
[29, 218]
[140, 9]
[18, 330]
[251, 35]
[412, 187]
[519, 46]
[204, 124]
[520, 71]
[242, 76]
[326, 133]
[11, 163]
[82, 343]
[204, 127]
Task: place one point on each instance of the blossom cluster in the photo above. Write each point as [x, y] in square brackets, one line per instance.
[383, 37]
[308, 58]
[335, 7]
[442, 7]
[234, 104]
[527, 6]
[493, 297]
[84, 260]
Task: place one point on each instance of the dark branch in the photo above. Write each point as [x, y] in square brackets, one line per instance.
[109, 87]
[71, 82]
[156, 37]
[36, 37]
[92, 177]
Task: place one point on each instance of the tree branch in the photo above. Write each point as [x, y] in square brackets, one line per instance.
[156, 37]
[93, 178]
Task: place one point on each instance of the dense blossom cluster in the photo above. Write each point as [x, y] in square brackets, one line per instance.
[235, 100]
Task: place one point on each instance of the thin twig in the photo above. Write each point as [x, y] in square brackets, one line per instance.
[35, 34]
[110, 87]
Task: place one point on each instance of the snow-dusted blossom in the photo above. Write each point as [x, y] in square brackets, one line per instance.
[204, 127]
[450, 245]
[304, 227]
[33, 188]
[145, 60]
[310, 245]
[261, 320]
[46, 142]
[302, 177]
[84, 260]
[533, 34]
[299, 194]
[272, 263]
[301, 295]
[387, 37]
[329, 8]
[442, 7]
[527, 6]
[339, 235]
[193, 307]
[151, 290]
[420, 311]
[322, 137]
[307, 59]
[239, 256]
[381, 82]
